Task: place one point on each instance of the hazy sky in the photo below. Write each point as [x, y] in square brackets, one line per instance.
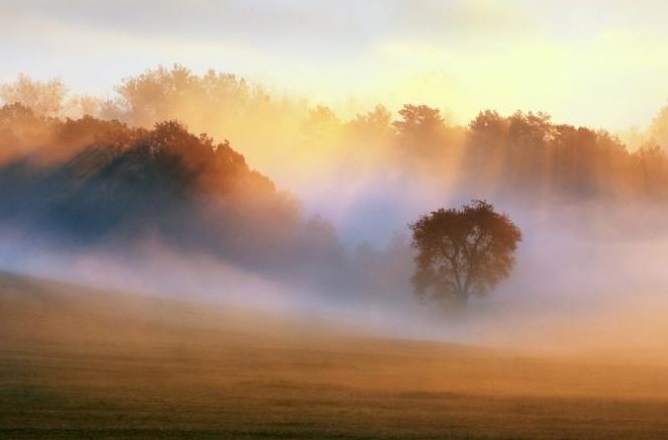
[597, 62]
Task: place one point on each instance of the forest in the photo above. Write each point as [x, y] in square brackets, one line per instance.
[505, 154]
[214, 165]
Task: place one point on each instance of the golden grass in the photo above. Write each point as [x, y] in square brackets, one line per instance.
[76, 363]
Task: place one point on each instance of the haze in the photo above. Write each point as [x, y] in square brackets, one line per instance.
[206, 210]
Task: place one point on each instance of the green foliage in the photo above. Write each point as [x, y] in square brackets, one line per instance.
[462, 252]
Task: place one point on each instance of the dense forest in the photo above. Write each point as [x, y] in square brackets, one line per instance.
[86, 172]
[89, 183]
[522, 154]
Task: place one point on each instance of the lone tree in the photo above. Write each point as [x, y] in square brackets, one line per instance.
[462, 252]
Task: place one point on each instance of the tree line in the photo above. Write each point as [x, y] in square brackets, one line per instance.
[118, 171]
[90, 184]
[95, 184]
[524, 154]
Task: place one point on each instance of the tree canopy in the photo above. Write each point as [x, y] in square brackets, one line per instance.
[524, 155]
[462, 252]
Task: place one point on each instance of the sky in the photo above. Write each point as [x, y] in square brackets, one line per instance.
[600, 63]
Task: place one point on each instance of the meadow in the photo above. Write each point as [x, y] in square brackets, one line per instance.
[90, 364]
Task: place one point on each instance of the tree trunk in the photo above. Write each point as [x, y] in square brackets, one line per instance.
[460, 300]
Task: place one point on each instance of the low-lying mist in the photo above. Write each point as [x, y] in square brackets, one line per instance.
[156, 210]
[578, 288]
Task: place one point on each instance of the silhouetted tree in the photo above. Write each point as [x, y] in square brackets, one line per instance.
[426, 141]
[487, 150]
[651, 163]
[529, 135]
[462, 252]
[420, 128]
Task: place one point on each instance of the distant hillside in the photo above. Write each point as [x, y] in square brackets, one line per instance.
[91, 183]
[80, 363]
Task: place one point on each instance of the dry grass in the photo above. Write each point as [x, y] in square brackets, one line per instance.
[76, 363]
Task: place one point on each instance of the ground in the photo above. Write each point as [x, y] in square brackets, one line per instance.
[77, 363]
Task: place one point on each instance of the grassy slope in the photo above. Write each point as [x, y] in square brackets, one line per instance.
[76, 363]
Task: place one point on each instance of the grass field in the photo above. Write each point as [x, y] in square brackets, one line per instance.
[77, 363]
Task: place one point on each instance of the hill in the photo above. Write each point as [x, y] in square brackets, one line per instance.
[81, 363]
[91, 184]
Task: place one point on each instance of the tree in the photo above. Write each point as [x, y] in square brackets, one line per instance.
[462, 252]
[420, 128]
[658, 130]
[375, 125]
[45, 98]
[487, 150]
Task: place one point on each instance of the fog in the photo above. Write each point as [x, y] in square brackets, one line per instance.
[581, 286]
[331, 239]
